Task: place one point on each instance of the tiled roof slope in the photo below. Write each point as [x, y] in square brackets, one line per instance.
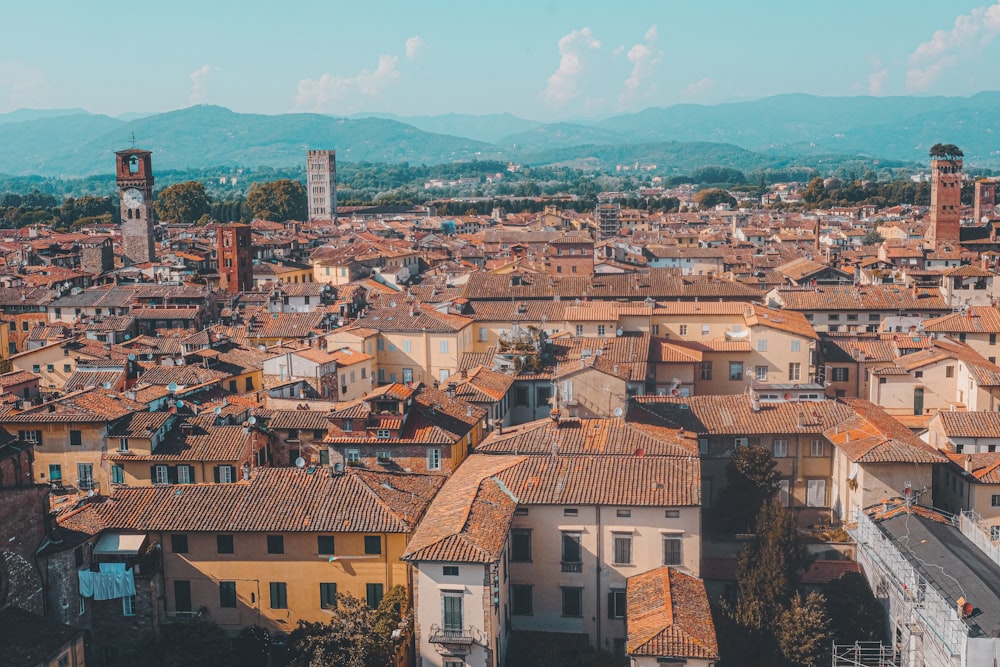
[874, 436]
[734, 414]
[668, 616]
[91, 405]
[277, 500]
[590, 437]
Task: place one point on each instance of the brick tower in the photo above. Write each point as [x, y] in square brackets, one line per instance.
[235, 260]
[985, 200]
[946, 201]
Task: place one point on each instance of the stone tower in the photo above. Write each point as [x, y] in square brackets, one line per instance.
[985, 200]
[946, 201]
[321, 184]
[134, 174]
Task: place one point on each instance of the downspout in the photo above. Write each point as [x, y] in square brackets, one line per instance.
[600, 556]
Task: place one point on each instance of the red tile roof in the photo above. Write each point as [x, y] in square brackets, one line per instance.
[669, 616]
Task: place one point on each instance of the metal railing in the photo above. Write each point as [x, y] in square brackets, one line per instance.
[572, 566]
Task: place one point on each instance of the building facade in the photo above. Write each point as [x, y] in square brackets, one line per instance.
[321, 184]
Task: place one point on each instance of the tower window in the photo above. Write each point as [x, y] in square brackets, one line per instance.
[133, 165]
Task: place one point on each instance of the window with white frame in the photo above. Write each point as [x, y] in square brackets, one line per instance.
[684, 329]
[616, 603]
[816, 448]
[407, 345]
[483, 335]
[601, 330]
[434, 458]
[383, 433]
[353, 455]
[128, 605]
[122, 444]
[816, 493]
[762, 345]
[443, 347]
[705, 329]
[796, 346]
[161, 474]
[760, 373]
[794, 371]
[579, 329]
[780, 449]
[622, 548]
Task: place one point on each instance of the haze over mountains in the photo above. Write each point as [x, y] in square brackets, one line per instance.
[775, 131]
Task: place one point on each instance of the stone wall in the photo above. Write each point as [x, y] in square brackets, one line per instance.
[22, 529]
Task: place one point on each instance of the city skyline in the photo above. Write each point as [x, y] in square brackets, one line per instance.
[557, 61]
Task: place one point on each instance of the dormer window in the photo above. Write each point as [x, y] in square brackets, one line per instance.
[383, 433]
[348, 425]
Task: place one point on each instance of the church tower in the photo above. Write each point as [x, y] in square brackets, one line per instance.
[946, 200]
[134, 175]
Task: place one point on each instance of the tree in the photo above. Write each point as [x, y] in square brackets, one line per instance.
[946, 151]
[713, 197]
[872, 237]
[803, 632]
[252, 647]
[356, 635]
[752, 481]
[197, 642]
[855, 614]
[183, 203]
[278, 200]
[815, 192]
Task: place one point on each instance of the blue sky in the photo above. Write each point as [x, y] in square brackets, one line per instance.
[543, 60]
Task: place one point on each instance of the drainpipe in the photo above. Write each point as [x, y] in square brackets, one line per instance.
[600, 554]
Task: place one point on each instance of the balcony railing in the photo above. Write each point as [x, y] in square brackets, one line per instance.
[572, 566]
[86, 484]
[449, 636]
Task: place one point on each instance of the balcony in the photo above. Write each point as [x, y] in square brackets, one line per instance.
[454, 639]
[87, 484]
[576, 566]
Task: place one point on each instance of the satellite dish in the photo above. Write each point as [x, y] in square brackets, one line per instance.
[172, 387]
[338, 467]
[300, 462]
[180, 404]
[107, 385]
[131, 357]
[618, 412]
[218, 410]
[619, 331]
[90, 493]
[252, 421]
[128, 336]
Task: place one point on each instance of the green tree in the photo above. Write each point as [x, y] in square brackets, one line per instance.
[355, 636]
[752, 481]
[946, 151]
[872, 237]
[196, 642]
[803, 632]
[277, 200]
[855, 614]
[815, 192]
[252, 647]
[183, 203]
[713, 197]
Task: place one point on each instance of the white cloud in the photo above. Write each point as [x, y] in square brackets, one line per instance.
[332, 92]
[199, 81]
[876, 81]
[644, 58]
[696, 90]
[414, 45]
[562, 85]
[948, 48]
[23, 85]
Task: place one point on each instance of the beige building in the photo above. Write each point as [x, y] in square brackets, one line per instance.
[53, 363]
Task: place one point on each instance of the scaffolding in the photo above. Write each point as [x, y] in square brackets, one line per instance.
[926, 626]
[864, 654]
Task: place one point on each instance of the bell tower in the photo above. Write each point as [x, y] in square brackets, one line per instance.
[946, 201]
[134, 175]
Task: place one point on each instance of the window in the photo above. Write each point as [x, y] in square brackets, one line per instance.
[760, 372]
[483, 337]
[55, 472]
[449, 571]
[796, 346]
[50, 368]
[841, 374]
[601, 331]
[520, 600]
[783, 495]
[225, 474]
[373, 545]
[67, 368]
[520, 549]
[520, 511]
[182, 595]
[128, 605]
[383, 433]
[735, 370]
[617, 603]
[994, 533]
[434, 458]
[325, 545]
[572, 601]
[780, 449]
[75, 438]
[451, 612]
[407, 345]
[572, 554]
[672, 514]
[656, 329]
[224, 544]
[185, 474]
[705, 329]
[706, 370]
[741, 441]
[794, 372]
[279, 595]
[816, 448]
[122, 444]
[762, 345]
[327, 595]
[227, 594]
[443, 347]
[623, 514]
[949, 371]
[117, 474]
[993, 339]
[672, 551]
[275, 544]
[161, 474]
[684, 329]
[35, 368]
[816, 493]
[995, 500]
[703, 446]
[179, 543]
[622, 546]
[579, 329]
[34, 436]
[873, 317]
[373, 595]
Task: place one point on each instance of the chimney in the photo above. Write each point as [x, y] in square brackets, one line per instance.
[967, 464]
[802, 419]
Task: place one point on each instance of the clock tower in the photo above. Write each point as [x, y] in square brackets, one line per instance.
[134, 175]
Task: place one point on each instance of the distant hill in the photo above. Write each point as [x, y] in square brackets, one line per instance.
[779, 131]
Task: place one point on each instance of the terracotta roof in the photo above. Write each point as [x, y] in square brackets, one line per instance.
[862, 297]
[139, 424]
[196, 442]
[89, 405]
[977, 319]
[980, 424]
[298, 419]
[984, 467]
[277, 500]
[873, 436]
[734, 414]
[590, 437]
[669, 616]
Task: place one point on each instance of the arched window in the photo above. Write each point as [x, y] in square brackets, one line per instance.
[133, 165]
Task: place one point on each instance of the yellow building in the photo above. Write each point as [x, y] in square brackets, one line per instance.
[54, 363]
[69, 436]
[276, 549]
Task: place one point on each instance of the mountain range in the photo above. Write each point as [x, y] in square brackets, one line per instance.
[778, 131]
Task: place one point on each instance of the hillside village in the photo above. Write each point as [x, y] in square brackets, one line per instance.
[524, 420]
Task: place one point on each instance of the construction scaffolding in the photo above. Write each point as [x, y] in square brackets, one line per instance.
[864, 654]
[926, 627]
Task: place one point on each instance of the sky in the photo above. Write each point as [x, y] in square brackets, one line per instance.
[542, 60]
